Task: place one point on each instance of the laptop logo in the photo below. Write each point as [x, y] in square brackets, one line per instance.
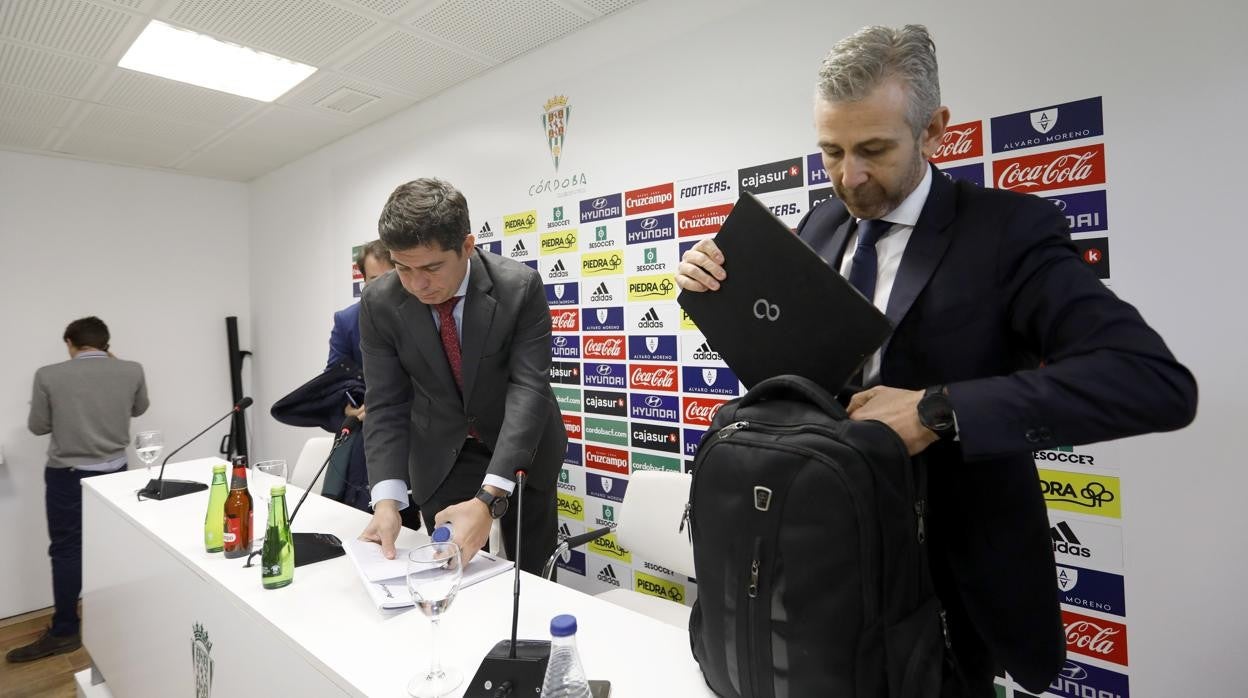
[765, 310]
[762, 498]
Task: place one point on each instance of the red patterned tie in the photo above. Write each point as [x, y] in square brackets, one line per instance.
[450, 339]
[450, 344]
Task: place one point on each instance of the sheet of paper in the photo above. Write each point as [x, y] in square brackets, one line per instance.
[386, 580]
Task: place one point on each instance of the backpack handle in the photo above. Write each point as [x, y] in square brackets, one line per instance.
[790, 387]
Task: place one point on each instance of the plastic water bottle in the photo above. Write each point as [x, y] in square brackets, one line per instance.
[442, 534]
[564, 676]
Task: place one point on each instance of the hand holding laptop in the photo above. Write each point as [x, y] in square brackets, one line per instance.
[701, 268]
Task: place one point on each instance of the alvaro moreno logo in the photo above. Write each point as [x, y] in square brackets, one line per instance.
[201, 656]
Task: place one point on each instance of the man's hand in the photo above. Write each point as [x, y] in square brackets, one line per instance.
[897, 408]
[701, 268]
[470, 525]
[357, 412]
[384, 528]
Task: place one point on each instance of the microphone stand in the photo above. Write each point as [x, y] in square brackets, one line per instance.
[316, 547]
[513, 667]
[162, 489]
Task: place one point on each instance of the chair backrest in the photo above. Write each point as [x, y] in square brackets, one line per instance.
[649, 521]
[314, 452]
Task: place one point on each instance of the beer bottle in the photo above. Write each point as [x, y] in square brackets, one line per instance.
[214, 520]
[238, 512]
[277, 557]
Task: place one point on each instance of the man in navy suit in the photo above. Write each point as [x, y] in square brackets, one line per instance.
[344, 340]
[1004, 343]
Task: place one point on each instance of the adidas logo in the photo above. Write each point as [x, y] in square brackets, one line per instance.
[650, 320]
[557, 270]
[520, 250]
[485, 229]
[607, 576]
[706, 353]
[558, 266]
[601, 294]
[1065, 541]
[564, 531]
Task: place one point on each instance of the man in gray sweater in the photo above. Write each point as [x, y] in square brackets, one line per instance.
[85, 404]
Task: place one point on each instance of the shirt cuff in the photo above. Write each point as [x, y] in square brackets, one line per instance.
[394, 489]
[501, 483]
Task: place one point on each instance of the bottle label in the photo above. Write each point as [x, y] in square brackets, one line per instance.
[233, 529]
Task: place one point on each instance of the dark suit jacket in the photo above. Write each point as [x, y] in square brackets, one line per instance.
[417, 421]
[989, 290]
[344, 339]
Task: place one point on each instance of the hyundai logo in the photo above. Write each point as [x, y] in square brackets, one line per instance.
[604, 369]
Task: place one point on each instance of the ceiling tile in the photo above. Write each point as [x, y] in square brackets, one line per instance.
[407, 62]
[72, 26]
[502, 29]
[29, 107]
[175, 100]
[21, 135]
[41, 70]
[104, 122]
[309, 31]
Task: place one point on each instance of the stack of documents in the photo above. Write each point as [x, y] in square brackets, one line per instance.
[386, 580]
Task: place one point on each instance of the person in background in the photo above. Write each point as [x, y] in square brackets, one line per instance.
[456, 348]
[86, 404]
[1004, 343]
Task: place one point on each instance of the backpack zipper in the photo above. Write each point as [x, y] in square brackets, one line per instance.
[752, 610]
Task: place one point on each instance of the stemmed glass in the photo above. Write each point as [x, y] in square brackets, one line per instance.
[266, 475]
[433, 576]
[147, 446]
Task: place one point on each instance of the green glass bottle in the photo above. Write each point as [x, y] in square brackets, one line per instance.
[214, 520]
[277, 556]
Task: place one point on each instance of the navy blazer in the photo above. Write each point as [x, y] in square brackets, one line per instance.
[992, 299]
[344, 339]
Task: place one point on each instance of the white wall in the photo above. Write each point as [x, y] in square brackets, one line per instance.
[162, 259]
[673, 89]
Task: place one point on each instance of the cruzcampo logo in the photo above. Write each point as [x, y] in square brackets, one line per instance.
[662, 588]
[201, 656]
[609, 546]
[570, 507]
[1099, 495]
[555, 116]
[646, 461]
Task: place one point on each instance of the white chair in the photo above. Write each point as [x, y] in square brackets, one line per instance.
[648, 526]
[314, 452]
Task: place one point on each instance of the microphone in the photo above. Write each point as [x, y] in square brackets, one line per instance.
[512, 667]
[161, 489]
[573, 542]
[315, 547]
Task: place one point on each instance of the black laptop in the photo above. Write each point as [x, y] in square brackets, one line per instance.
[782, 309]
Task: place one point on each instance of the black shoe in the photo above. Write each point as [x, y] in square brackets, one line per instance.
[46, 646]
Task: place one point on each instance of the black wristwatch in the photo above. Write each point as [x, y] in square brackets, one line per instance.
[497, 504]
[936, 413]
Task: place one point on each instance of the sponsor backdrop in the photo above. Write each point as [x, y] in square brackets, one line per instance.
[599, 159]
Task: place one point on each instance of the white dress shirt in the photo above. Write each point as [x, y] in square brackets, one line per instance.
[889, 249]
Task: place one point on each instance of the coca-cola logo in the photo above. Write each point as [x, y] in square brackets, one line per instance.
[1094, 637]
[608, 347]
[565, 320]
[1056, 170]
[656, 378]
[700, 412]
[959, 142]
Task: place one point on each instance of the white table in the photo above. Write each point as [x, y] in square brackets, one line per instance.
[147, 582]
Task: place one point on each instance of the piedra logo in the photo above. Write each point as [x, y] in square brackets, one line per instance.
[201, 656]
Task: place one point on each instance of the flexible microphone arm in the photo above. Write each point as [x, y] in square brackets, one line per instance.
[515, 591]
[348, 427]
[167, 489]
[572, 542]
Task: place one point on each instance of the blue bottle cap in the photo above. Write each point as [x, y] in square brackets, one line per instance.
[563, 625]
[441, 534]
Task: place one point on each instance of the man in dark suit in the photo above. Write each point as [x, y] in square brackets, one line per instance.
[344, 340]
[456, 348]
[1004, 342]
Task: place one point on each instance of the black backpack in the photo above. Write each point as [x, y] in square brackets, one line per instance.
[808, 536]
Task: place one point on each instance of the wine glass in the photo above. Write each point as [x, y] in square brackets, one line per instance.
[266, 475]
[147, 446]
[433, 576]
